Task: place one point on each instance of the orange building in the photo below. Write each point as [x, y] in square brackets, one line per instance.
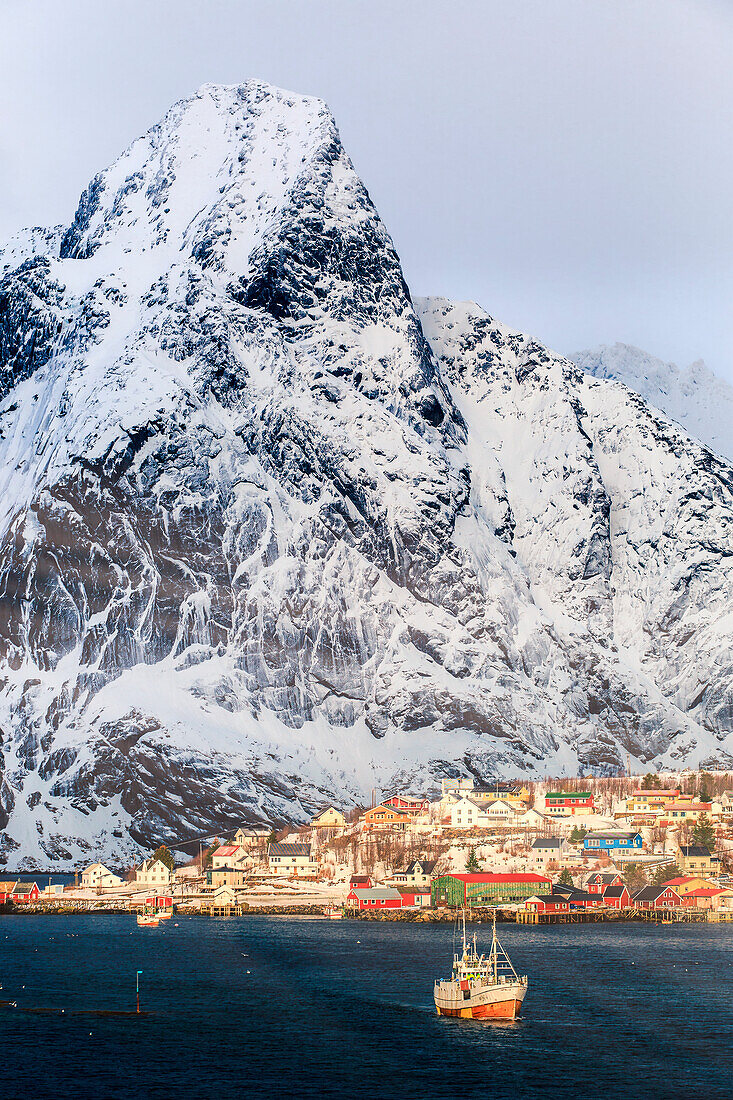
[386, 817]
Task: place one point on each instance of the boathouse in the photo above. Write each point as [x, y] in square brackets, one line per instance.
[25, 892]
[617, 896]
[583, 899]
[487, 889]
[657, 897]
[547, 903]
[380, 897]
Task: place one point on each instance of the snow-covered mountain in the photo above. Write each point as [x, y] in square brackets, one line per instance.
[269, 535]
[693, 396]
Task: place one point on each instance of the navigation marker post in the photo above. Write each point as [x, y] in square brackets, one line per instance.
[137, 988]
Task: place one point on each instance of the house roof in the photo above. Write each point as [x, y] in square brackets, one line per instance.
[388, 809]
[668, 792]
[680, 881]
[709, 892]
[547, 898]
[697, 807]
[325, 810]
[289, 850]
[7, 887]
[649, 893]
[612, 834]
[360, 878]
[694, 850]
[547, 842]
[498, 878]
[606, 878]
[148, 863]
[568, 794]
[377, 893]
[24, 887]
[226, 850]
[426, 864]
[615, 891]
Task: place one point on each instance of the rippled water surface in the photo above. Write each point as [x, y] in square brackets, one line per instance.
[287, 1007]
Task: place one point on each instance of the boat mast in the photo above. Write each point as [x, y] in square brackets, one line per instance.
[493, 948]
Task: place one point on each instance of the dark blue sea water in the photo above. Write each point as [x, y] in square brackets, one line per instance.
[287, 1007]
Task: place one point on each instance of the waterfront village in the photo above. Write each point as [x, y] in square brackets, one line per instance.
[660, 848]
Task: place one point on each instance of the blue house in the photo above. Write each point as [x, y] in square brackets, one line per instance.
[612, 842]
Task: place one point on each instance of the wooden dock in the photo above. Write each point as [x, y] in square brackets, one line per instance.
[682, 915]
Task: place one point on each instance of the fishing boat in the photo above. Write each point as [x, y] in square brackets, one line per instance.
[333, 912]
[482, 987]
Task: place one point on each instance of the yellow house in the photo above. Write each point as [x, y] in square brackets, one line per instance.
[689, 884]
[697, 859]
[679, 811]
[330, 818]
[646, 801]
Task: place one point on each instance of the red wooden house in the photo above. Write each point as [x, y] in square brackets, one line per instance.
[408, 802]
[599, 883]
[361, 882]
[25, 893]
[583, 899]
[547, 903]
[617, 896]
[657, 897]
[379, 897]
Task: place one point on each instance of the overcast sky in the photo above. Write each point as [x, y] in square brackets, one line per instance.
[566, 163]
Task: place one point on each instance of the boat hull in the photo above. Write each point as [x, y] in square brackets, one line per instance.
[487, 1004]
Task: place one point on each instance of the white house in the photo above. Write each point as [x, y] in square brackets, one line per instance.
[545, 849]
[465, 814]
[416, 874]
[500, 812]
[292, 859]
[97, 877]
[531, 819]
[227, 855]
[250, 836]
[153, 872]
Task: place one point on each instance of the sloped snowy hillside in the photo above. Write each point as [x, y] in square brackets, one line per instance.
[268, 538]
[693, 396]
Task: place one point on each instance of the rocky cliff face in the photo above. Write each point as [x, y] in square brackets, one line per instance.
[270, 536]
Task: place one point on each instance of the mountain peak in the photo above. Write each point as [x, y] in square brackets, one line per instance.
[694, 396]
[268, 538]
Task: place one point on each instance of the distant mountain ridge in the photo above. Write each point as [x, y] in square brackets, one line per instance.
[273, 534]
[693, 396]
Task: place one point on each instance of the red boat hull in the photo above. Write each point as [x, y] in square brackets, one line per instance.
[500, 1010]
